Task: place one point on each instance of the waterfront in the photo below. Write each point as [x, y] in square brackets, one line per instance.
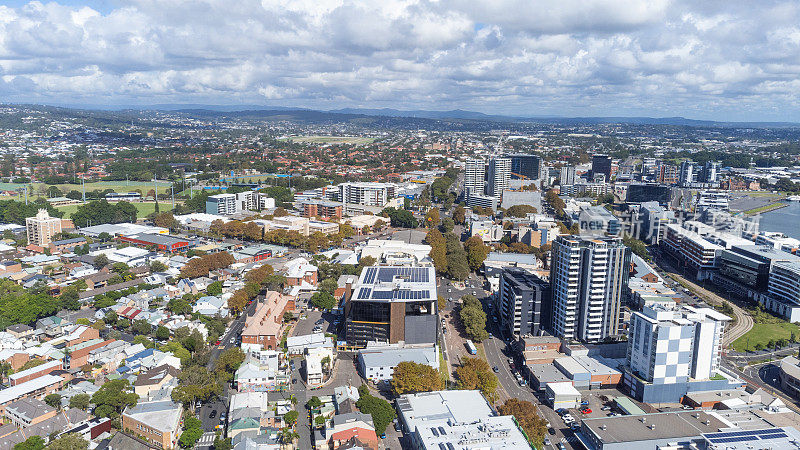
[786, 220]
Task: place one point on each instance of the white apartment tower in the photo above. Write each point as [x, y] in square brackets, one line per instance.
[588, 276]
[498, 177]
[474, 174]
[366, 193]
[41, 228]
[670, 344]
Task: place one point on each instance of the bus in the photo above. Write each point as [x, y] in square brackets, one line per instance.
[471, 347]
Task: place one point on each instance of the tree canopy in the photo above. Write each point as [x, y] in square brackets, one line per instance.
[100, 211]
[410, 377]
[474, 373]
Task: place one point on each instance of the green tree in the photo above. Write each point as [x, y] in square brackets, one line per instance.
[162, 333]
[80, 401]
[519, 211]
[196, 383]
[381, 411]
[141, 326]
[438, 253]
[432, 218]
[157, 266]
[100, 261]
[70, 441]
[447, 225]
[474, 320]
[32, 443]
[113, 397]
[53, 400]
[328, 285]
[214, 288]
[290, 417]
[313, 403]
[410, 377]
[323, 300]
[229, 361]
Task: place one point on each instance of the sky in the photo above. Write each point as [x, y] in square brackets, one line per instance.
[717, 60]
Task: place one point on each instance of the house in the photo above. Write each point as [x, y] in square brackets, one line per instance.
[158, 422]
[66, 245]
[125, 441]
[297, 345]
[154, 379]
[9, 267]
[211, 306]
[300, 271]
[377, 363]
[20, 331]
[28, 411]
[352, 425]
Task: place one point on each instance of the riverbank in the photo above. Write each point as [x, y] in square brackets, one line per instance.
[766, 208]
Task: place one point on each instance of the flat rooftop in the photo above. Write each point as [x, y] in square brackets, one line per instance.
[669, 425]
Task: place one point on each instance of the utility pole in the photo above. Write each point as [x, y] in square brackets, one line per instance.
[172, 187]
[83, 188]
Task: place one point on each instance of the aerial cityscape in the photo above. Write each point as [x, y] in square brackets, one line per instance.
[402, 225]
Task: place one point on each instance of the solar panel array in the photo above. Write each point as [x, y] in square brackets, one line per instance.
[745, 436]
[401, 294]
[369, 277]
[387, 274]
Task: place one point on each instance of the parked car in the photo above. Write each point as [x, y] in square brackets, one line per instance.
[586, 410]
[213, 414]
[605, 408]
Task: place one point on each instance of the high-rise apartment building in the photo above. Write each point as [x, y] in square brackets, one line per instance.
[686, 174]
[498, 176]
[587, 277]
[366, 193]
[41, 228]
[474, 176]
[711, 172]
[523, 302]
[567, 175]
[601, 164]
[222, 204]
[666, 173]
[670, 347]
[525, 166]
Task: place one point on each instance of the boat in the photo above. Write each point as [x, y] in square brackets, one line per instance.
[793, 198]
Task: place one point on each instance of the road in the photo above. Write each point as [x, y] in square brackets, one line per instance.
[220, 405]
[744, 321]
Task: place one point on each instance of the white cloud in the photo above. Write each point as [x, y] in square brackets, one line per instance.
[605, 57]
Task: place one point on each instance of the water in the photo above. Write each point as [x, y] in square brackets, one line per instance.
[786, 220]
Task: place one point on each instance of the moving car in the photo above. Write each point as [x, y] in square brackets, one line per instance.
[213, 414]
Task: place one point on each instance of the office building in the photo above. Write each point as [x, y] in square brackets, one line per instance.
[749, 266]
[673, 350]
[566, 175]
[653, 222]
[640, 193]
[377, 363]
[392, 304]
[456, 419]
[222, 204]
[498, 176]
[41, 228]
[783, 290]
[525, 166]
[652, 431]
[596, 220]
[588, 276]
[522, 295]
[601, 165]
[474, 177]
[366, 193]
[697, 252]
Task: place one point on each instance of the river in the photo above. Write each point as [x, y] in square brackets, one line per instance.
[786, 220]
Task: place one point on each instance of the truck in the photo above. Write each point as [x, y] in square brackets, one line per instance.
[471, 348]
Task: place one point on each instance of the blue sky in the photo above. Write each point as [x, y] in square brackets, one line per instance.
[720, 60]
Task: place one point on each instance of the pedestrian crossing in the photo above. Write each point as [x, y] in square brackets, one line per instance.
[206, 439]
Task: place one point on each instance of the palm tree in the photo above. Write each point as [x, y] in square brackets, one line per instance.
[287, 436]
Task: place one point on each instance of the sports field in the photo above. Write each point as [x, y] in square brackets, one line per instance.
[144, 208]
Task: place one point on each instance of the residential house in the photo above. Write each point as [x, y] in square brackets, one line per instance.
[158, 422]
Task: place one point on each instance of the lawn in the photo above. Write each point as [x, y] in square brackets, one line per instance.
[144, 208]
[357, 140]
[762, 333]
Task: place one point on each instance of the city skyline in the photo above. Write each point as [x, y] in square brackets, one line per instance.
[619, 58]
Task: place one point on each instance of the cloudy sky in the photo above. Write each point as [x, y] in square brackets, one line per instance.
[724, 60]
